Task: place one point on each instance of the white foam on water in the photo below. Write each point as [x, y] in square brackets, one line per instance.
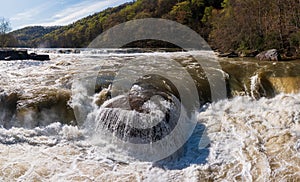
[254, 139]
[250, 140]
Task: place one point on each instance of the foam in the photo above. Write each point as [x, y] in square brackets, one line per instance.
[245, 139]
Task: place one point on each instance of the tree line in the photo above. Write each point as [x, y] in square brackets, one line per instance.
[82, 32]
[228, 25]
[257, 25]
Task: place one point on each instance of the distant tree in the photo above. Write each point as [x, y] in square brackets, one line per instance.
[4, 29]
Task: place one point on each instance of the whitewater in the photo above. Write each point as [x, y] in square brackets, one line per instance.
[253, 135]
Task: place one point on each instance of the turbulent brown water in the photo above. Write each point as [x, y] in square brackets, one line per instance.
[48, 116]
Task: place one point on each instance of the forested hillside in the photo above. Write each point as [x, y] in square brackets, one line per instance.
[82, 32]
[228, 25]
[27, 35]
[257, 25]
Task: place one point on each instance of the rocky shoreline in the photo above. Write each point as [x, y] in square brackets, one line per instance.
[11, 54]
[268, 55]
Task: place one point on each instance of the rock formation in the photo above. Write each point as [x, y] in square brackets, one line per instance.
[269, 55]
[9, 55]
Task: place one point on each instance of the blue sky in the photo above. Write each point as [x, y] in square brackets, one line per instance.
[22, 13]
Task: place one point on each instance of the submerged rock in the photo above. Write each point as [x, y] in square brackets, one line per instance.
[269, 55]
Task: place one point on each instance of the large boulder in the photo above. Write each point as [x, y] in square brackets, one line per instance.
[9, 55]
[147, 113]
[13, 55]
[269, 55]
[42, 107]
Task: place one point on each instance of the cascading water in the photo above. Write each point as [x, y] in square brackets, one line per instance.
[253, 135]
[142, 116]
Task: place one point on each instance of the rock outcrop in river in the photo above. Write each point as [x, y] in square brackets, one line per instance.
[9, 55]
[269, 55]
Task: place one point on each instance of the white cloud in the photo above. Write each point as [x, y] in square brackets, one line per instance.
[78, 11]
[59, 12]
[31, 13]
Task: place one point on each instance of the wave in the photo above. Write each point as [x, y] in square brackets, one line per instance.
[248, 140]
[254, 139]
[254, 134]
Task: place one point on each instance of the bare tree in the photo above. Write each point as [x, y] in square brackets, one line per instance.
[257, 24]
[4, 29]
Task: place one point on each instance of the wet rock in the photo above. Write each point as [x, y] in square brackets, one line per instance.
[9, 55]
[229, 55]
[148, 113]
[68, 51]
[151, 124]
[63, 63]
[269, 55]
[43, 107]
[139, 95]
[288, 85]
[8, 105]
[34, 56]
[248, 53]
[104, 95]
[13, 55]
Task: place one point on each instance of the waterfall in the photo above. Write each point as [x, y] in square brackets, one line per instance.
[158, 119]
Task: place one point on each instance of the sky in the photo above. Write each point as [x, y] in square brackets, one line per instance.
[22, 13]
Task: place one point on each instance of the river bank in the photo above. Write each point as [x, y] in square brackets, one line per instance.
[267, 55]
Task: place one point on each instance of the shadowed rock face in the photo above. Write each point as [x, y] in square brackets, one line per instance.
[8, 106]
[37, 109]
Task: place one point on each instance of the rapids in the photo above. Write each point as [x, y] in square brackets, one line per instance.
[56, 124]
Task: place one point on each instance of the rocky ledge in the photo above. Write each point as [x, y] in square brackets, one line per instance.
[269, 55]
[9, 55]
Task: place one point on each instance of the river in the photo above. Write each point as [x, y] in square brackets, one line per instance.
[127, 115]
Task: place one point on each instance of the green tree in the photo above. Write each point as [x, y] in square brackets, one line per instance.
[182, 12]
